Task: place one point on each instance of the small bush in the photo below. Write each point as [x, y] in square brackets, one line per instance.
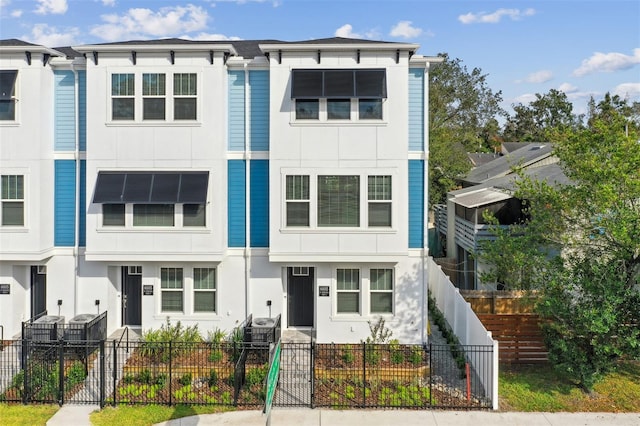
[215, 356]
[257, 376]
[416, 356]
[144, 377]
[212, 380]
[347, 354]
[397, 357]
[185, 379]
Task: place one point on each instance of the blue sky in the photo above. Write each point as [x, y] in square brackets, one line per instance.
[581, 47]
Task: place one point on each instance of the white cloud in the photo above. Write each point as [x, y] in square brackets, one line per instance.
[56, 7]
[16, 13]
[143, 23]
[567, 88]
[211, 37]
[541, 76]
[524, 99]
[51, 36]
[404, 29]
[109, 2]
[495, 17]
[627, 90]
[607, 62]
[346, 31]
[5, 3]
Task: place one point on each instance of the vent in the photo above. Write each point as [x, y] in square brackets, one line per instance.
[135, 270]
[300, 271]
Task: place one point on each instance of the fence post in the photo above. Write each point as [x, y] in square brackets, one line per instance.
[25, 369]
[364, 373]
[102, 373]
[431, 363]
[170, 375]
[312, 347]
[115, 370]
[60, 371]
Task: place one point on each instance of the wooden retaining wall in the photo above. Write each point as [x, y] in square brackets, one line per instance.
[518, 335]
[499, 302]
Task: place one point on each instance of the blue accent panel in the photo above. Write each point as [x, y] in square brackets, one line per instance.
[416, 109]
[259, 85]
[83, 203]
[64, 203]
[416, 203]
[236, 111]
[65, 111]
[82, 107]
[236, 203]
[259, 201]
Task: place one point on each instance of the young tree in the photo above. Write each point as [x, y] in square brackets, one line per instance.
[462, 113]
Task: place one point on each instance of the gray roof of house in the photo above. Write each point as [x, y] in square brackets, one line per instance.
[508, 147]
[480, 158]
[14, 42]
[527, 155]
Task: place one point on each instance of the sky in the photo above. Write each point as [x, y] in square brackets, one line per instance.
[584, 48]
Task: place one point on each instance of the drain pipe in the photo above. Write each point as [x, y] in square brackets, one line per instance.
[425, 223]
[247, 215]
[76, 246]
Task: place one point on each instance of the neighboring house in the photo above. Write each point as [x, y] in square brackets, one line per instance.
[460, 225]
[203, 182]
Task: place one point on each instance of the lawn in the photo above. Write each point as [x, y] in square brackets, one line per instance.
[540, 388]
[28, 415]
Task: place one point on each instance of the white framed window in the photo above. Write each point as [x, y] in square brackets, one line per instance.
[338, 109]
[12, 200]
[8, 98]
[172, 287]
[338, 201]
[123, 97]
[153, 215]
[370, 109]
[379, 198]
[348, 291]
[153, 96]
[297, 199]
[381, 291]
[113, 215]
[204, 290]
[185, 98]
[307, 109]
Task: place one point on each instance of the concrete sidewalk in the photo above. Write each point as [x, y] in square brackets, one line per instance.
[78, 415]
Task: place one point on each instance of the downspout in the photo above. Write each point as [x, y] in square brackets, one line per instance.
[247, 183]
[76, 156]
[425, 237]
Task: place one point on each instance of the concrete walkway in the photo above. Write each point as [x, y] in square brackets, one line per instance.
[78, 415]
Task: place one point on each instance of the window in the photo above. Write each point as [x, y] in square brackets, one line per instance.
[379, 201]
[153, 215]
[307, 109]
[297, 196]
[184, 92]
[381, 287]
[122, 97]
[338, 109]
[370, 109]
[113, 215]
[8, 95]
[204, 289]
[12, 199]
[153, 96]
[338, 200]
[171, 283]
[193, 215]
[348, 290]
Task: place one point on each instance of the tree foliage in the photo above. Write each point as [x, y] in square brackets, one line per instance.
[462, 117]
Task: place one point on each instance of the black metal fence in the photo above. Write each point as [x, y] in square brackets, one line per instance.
[234, 374]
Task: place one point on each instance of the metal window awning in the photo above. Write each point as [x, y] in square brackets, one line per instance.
[151, 187]
[480, 198]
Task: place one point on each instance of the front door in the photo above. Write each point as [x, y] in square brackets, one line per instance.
[38, 291]
[300, 297]
[131, 295]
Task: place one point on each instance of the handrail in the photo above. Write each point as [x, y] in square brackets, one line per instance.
[126, 331]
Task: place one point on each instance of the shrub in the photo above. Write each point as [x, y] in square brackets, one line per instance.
[212, 380]
[76, 374]
[257, 376]
[185, 379]
[347, 354]
[155, 343]
[215, 356]
[416, 355]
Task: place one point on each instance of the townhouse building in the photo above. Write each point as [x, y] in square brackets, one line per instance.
[203, 182]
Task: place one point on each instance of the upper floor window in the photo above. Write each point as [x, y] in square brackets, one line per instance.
[153, 96]
[122, 97]
[297, 196]
[8, 95]
[12, 199]
[184, 92]
[379, 195]
[339, 201]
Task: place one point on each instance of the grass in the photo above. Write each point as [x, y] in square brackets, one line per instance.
[31, 415]
[540, 388]
[142, 415]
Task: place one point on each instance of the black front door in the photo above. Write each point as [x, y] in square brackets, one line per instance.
[131, 298]
[300, 297]
[38, 292]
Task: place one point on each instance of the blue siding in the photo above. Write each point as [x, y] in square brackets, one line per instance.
[416, 203]
[236, 203]
[64, 202]
[82, 107]
[65, 110]
[259, 201]
[236, 111]
[83, 203]
[259, 84]
[416, 109]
